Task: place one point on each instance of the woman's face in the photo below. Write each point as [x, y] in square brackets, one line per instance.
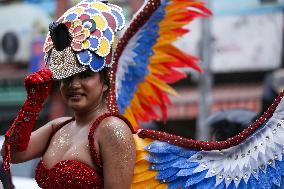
[83, 91]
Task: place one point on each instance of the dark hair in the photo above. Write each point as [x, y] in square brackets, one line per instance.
[228, 123]
[104, 76]
[226, 129]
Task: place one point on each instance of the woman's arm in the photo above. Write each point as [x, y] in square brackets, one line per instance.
[38, 142]
[17, 146]
[118, 153]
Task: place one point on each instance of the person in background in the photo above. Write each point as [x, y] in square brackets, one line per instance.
[225, 124]
[228, 123]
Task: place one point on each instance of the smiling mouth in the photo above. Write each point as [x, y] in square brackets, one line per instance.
[75, 96]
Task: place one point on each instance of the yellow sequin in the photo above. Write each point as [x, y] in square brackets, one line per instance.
[100, 6]
[104, 48]
[101, 22]
[76, 23]
[86, 44]
[86, 32]
[78, 10]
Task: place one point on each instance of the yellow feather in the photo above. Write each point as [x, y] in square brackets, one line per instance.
[136, 103]
[144, 99]
[141, 143]
[165, 41]
[140, 156]
[144, 176]
[148, 184]
[158, 69]
[170, 26]
[161, 84]
[162, 186]
[148, 89]
[175, 17]
[158, 58]
[129, 115]
[141, 167]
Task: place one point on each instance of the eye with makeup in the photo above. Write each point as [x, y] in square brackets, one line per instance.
[67, 80]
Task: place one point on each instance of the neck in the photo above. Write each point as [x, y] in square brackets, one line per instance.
[89, 116]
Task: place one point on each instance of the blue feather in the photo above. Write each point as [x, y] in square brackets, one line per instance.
[207, 183]
[177, 183]
[280, 166]
[264, 179]
[232, 185]
[164, 147]
[184, 164]
[222, 185]
[187, 153]
[162, 166]
[186, 172]
[147, 38]
[252, 182]
[173, 178]
[164, 174]
[275, 187]
[273, 176]
[276, 178]
[242, 185]
[282, 183]
[196, 178]
[161, 158]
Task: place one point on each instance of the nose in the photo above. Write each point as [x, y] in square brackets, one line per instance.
[74, 82]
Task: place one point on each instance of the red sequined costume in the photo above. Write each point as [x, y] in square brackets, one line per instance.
[72, 173]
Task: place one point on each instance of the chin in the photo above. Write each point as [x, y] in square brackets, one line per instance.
[76, 106]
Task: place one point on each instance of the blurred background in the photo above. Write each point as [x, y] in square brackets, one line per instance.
[240, 47]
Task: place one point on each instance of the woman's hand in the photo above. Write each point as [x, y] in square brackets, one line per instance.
[38, 85]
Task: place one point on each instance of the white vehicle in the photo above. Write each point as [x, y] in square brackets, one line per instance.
[22, 174]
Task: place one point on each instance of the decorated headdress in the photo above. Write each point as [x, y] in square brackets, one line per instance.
[84, 37]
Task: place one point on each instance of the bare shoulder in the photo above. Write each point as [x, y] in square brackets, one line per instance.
[113, 123]
[114, 128]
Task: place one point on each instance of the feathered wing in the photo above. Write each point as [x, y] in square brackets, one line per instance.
[146, 59]
[252, 159]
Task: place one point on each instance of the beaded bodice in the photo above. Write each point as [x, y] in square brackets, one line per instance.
[72, 173]
[68, 174]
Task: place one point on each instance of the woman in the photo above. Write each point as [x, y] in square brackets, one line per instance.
[95, 148]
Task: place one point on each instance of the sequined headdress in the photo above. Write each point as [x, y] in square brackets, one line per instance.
[84, 37]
